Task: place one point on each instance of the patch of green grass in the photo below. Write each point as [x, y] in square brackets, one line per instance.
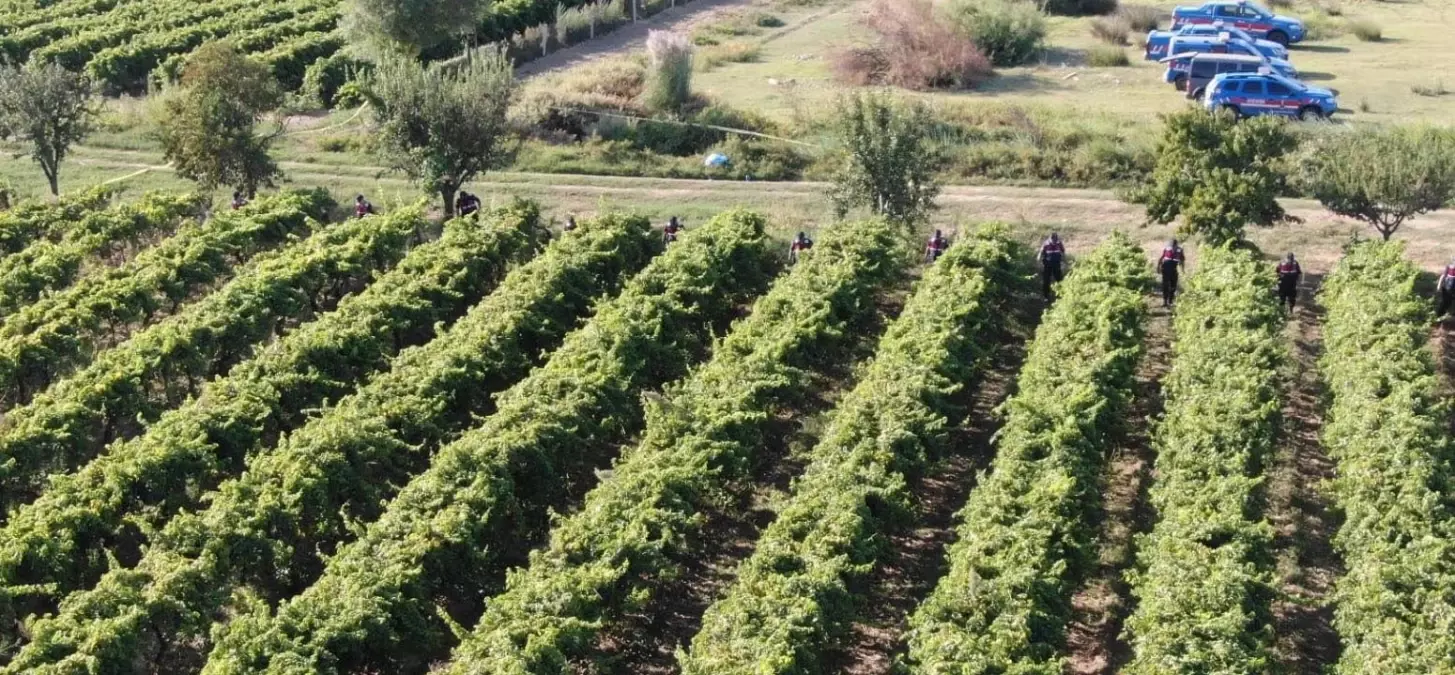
[1107, 56]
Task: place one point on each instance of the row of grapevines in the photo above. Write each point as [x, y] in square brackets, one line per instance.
[267, 529]
[61, 541]
[793, 595]
[126, 67]
[635, 526]
[1003, 605]
[48, 265]
[19, 44]
[127, 387]
[76, 49]
[16, 17]
[290, 61]
[1204, 583]
[32, 220]
[1387, 431]
[484, 499]
[47, 339]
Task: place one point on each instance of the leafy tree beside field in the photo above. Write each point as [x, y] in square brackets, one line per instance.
[886, 163]
[443, 125]
[1218, 174]
[1383, 177]
[208, 131]
[48, 107]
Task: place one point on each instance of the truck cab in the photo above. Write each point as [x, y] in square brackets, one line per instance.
[1247, 16]
[1159, 41]
[1267, 93]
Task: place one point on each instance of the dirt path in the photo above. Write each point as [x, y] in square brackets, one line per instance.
[627, 37]
[1093, 639]
[916, 557]
[1302, 516]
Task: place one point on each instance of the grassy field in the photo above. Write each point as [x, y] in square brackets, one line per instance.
[1375, 80]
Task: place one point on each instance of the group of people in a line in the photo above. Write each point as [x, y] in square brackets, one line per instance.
[1172, 260]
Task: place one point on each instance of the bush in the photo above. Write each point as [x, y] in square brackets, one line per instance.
[1079, 7]
[1382, 177]
[913, 50]
[1319, 26]
[1438, 89]
[1366, 30]
[1113, 31]
[729, 52]
[1141, 18]
[1107, 56]
[669, 71]
[1009, 32]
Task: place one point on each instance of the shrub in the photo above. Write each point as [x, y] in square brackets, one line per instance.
[1366, 30]
[1009, 32]
[766, 20]
[1107, 56]
[913, 50]
[669, 71]
[886, 161]
[1113, 31]
[1319, 26]
[1141, 18]
[1438, 89]
[1079, 7]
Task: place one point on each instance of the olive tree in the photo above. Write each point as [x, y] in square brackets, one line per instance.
[443, 125]
[1218, 174]
[50, 109]
[1382, 177]
[208, 129]
[886, 161]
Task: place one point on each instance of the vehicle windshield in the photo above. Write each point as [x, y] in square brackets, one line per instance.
[1254, 10]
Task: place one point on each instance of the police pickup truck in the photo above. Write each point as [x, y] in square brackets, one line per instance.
[1159, 40]
[1267, 93]
[1243, 15]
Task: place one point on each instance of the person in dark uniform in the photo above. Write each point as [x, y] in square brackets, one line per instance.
[670, 232]
[362, 207]
[1050, 256]
[570, 224]
[936, 247]
[1289, 274]
[238, 200]
[1170, 264]
[1446, 290]
[800, 244]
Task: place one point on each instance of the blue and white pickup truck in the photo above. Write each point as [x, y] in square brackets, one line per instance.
[1257, 21]
[1254, 94]
[1159, 40]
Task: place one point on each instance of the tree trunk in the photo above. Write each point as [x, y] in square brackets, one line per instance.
[52, 175]
[448, 193]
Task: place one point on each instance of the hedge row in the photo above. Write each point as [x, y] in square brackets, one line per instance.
[49, 338]
[795, 594]
[48, 265]
[1026, 529]
[62, 540]
[1387, 430]
[484, 499]
[266, 530]
[635, 527]
[1205, 580]
[31, 220]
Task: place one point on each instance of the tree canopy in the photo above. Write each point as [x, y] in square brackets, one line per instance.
[1382, 177]
[383, 28]
[443, 125]
[886, 161]
[209, 127]
[48, 107]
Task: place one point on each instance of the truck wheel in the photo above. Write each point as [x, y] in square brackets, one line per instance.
[1278, 36]
[1237, 114]
[1197, 94]
[1310, 113]
[1179, 82]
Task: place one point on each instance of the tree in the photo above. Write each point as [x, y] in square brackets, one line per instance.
[887, 163]
[444, 125]
[48, 107]
[1382, 177]
[208, 131]
[1218, 173]
[380, 29]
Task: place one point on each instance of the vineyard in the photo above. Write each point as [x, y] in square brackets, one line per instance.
[261, 442]
[128, 45]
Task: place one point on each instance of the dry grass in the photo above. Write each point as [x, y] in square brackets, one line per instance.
[1111, 30]
[1366, 30]
[912, 50]
[1142, 18]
